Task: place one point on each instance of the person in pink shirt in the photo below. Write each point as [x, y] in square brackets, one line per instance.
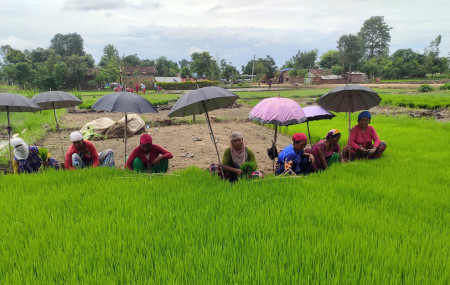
[327, 151]
[148, 157]
[364, 141]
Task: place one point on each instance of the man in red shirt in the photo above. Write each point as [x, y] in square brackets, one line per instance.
[82, 153]
[148, 157]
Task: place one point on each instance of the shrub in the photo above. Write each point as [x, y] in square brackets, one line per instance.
[446, 86]
[187, 85]
[425, 88]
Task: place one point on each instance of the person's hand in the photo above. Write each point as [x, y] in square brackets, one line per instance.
[311, 158]
[363, 149]
[238, 171]
[372, 150]
[157, 160]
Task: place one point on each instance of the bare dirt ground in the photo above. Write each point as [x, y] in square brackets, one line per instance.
[190, 143]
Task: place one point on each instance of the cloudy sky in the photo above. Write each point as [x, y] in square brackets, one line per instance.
[231, 29]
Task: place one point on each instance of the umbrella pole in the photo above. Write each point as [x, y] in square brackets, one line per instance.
[212, 137]
[309, 135]
[274, 147]
[349, 123]
[126, 127]
[9, 138]
[57, 128]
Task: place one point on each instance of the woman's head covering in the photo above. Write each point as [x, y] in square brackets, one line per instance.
[145, 139]
[236, 135]
[332, 133]
[299, 137]
[21, 150]
[238, 156]
[364, 114]
[75, 137]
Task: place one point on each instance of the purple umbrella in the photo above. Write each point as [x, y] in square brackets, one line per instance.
[315, 113]
[279, 112]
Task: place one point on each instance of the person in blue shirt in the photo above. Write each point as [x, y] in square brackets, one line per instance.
[293, 160]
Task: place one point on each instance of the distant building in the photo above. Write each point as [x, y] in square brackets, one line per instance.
[129, 75]
[168, 79]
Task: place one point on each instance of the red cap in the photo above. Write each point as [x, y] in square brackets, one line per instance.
[146, 138]
[299, 137]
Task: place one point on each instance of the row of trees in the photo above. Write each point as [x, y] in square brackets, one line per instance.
[65, 63]
[368, 51]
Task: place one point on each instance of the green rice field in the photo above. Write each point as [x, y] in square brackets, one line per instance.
[365, 222]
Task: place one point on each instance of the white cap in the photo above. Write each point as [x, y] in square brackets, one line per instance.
[75, 136]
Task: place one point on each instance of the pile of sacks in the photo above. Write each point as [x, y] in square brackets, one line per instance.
[105, 127]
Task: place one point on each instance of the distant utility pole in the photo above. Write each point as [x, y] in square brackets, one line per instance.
[253, 68]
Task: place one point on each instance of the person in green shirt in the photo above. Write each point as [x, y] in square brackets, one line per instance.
[234, 157]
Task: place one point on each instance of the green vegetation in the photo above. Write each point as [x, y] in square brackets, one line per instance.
[425, 88]
[445, 86]
[431, 100]
[364, 222]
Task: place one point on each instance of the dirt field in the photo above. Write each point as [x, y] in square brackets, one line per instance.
[190, 144]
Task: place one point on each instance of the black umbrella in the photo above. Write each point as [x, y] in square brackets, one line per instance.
[10, 102]
[349, 98]
[201, 101]
[53, 100]
[124, 102]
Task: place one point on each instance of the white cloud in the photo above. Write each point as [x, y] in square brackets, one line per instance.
[94, 5]
[17, 43]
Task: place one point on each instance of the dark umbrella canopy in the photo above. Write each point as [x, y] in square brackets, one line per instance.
[349, 98]
[16, 103]
[201, 101]
[124, 102]
[10, 102]
[55, 100]
[52, 100]
[194, 102]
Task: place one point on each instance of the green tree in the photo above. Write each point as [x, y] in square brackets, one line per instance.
[329, 59]
[67, 45]
[183, 63]
[109, 52]
[131, 60]
[228, 72]
[376, 37]
[351, 50]
[337, 70]
[22, 73]
[76, 71]
[166, 67]
[185, 72]
[39, 55]
[203, 64]
[305, 59]
[263, 66]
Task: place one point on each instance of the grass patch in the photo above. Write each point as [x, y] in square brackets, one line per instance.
[359, 223]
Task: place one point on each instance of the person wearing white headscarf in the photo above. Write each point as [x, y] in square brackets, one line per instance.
[82, 153]
[27, 159]
[234, 157]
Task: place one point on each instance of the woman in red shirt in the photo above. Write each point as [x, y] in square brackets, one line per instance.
[361, 137]
[148, 157]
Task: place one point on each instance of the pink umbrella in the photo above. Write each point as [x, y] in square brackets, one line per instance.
[279, 112]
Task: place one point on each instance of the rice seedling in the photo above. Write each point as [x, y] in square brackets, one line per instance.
[383, 221]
